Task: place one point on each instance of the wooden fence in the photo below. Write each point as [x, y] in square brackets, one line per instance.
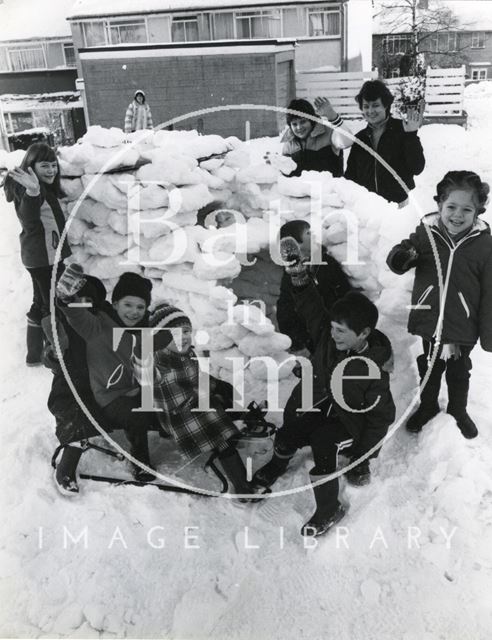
[443, 94]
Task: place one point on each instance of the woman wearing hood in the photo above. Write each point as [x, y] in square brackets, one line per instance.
[138, 115]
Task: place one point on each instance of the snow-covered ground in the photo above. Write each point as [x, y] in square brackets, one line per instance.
[413, 560]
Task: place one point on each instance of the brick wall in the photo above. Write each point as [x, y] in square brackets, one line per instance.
[176, 85]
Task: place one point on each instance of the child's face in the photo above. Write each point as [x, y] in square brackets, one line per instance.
[305, 243]
[373, 111]
[130, 310]
[182, 340]
[346, 339]
[458, 211]
[46, 171]
[301, 127]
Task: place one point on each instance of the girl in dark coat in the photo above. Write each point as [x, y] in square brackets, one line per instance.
[450, 313]
[395, 141]
[34, 188]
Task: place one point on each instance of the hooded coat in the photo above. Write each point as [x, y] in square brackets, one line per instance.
[464, 295]
[320, 151]
[138, 116]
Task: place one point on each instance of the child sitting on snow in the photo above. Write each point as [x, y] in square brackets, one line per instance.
[72, 424]
[354, 411]
[329, 279]
[115, 388]
[449, 314]
[176, 374]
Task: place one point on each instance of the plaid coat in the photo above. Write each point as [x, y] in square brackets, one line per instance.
[176, 393]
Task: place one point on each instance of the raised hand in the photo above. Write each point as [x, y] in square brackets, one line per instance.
[324, 108]
[415, 118]
[290, 251]
[71, 281]
[28, 179]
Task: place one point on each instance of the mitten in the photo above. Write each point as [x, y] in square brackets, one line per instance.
[290, 252]
[409, 259]
[71, 281]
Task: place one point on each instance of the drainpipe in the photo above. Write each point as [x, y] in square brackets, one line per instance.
[344, 38]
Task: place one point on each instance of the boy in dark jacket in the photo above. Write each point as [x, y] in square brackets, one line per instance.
[395, 141]
[351, 392]
[329, 278]
[72, 424]
[452, 293]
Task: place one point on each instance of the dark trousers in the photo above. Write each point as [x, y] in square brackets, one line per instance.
[326, 436]
[41, 286]
[457, 373]
[120, 414]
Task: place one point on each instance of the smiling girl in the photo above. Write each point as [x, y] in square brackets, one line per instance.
[34, 188]
[452, 313]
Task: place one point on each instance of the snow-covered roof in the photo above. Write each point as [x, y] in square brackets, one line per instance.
[89, 8]
[473, 15]
[33, 19]
[58, 100]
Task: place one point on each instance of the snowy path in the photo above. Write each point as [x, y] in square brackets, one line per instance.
[388, 575]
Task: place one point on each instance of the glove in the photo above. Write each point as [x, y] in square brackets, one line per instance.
[71, 281]
[290, 252]
[410, 260]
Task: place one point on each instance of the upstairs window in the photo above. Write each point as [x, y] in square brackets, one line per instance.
[258, 24]
[25, 58]
[184, 29]
[323, 22]
[127, 31]
[94, 34]
[478, 40]
[396, 44]
[69, 53]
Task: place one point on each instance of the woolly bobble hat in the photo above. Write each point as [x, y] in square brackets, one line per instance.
[131, 284]
[165, 316]
[299, 104]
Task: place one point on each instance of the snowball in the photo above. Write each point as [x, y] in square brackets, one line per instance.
[118, 222]
[104, 242]
[252, 318]
[73, 188]
[186, 282]
[224, 173]
[259, 173]
[217, 341]
[216, 266]
[173, 170]
[100, 188]
[174, 248]
[238, 158]
[234, 331]
[103, 267]
[257, 345]
[189, 198]
[212, 164]
[224, 358]
[282, 366]
[152, 223]
[149, 196]
[101, 137]
[76, 230]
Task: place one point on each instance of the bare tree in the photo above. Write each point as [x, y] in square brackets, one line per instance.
[430, 32]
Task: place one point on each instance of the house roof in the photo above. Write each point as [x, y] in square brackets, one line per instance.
[33, 19]
[90, 8]
[474, 15]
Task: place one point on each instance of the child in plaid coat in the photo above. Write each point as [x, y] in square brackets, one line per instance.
[175, 384]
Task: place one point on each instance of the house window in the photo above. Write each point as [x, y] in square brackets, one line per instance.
[69, 53]
[323, 22]
[258, 24]
[19, 121]
[479, 74]
[94, 34]
[452, 41]
[24, 58]
[223, 26]
[478, 40]
[395, 73]
[396, 44]
[184, 29]
[127, 31]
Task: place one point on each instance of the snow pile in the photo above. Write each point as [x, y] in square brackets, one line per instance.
[144, 218]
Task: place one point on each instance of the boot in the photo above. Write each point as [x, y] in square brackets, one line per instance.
[139, 449]
[65, 472]
[458, 400]
[429, 405]
[271, 471]
[235, 471]
[360, 475]
[34, 343]
[328, 510]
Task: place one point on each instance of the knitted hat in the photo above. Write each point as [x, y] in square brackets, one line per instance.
[299, 104]
[131, 284]
[165, 316]
[94, 289]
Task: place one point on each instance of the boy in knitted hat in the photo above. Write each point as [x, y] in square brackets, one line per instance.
[115, 388]
[175, 380]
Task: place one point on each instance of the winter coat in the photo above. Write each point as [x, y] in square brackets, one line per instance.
[138, 116]
[110, 370]
[42, 223]
[402, 151]
[316, 153]
[72, 424]
[176, 393]
[332, 284]
[360, 392]
[466, 289]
